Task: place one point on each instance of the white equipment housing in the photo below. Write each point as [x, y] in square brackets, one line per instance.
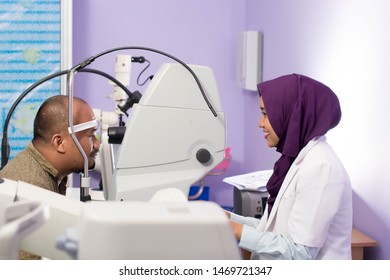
[63, 213]
[158, 229]
[164, 133]
[20, 219]
[147, 231]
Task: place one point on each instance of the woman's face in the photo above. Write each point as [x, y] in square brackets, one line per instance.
[265, 125]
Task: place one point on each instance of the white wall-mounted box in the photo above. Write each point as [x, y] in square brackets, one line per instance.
[250, 55]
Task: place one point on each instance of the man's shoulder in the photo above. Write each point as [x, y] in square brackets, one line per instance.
[22, 167]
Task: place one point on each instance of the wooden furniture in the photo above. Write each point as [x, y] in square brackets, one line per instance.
[358, 241]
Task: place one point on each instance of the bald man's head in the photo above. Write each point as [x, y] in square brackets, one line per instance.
[52, 117]
[56, 144]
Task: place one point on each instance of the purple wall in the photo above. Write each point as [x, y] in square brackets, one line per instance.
[327, 40]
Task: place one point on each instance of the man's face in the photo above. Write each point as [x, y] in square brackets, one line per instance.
[86, 134]
[89, 142]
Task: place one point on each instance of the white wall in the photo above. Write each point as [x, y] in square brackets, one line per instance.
[344, 44]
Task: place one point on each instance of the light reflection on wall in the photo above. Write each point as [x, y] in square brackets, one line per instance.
[354, 51]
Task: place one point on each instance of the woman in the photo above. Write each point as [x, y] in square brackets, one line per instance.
[309, 209]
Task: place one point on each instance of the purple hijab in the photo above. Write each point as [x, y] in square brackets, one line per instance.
[299, 109]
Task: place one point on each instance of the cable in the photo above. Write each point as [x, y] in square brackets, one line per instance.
[5, 150]
[141, 59]
[139, 75]
[93, 58]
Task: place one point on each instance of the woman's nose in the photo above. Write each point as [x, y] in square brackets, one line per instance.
[261, 123]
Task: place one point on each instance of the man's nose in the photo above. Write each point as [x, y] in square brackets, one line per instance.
[96, 144]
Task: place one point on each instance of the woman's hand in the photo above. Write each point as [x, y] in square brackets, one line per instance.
[237, 229]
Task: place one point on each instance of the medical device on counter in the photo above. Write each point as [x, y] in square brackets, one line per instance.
[163, 148]
[171, 139]
[249, 202]
[202, 155]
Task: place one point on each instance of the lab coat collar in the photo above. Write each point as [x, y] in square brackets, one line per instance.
[307, 148]
[290, 175]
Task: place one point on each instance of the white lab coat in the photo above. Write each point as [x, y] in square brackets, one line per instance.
[314, 204]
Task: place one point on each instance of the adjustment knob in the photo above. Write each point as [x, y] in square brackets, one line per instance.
[203, 156]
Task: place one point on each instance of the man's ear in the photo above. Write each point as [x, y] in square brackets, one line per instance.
[58, 142]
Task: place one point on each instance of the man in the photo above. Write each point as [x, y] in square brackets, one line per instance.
[53, 154]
